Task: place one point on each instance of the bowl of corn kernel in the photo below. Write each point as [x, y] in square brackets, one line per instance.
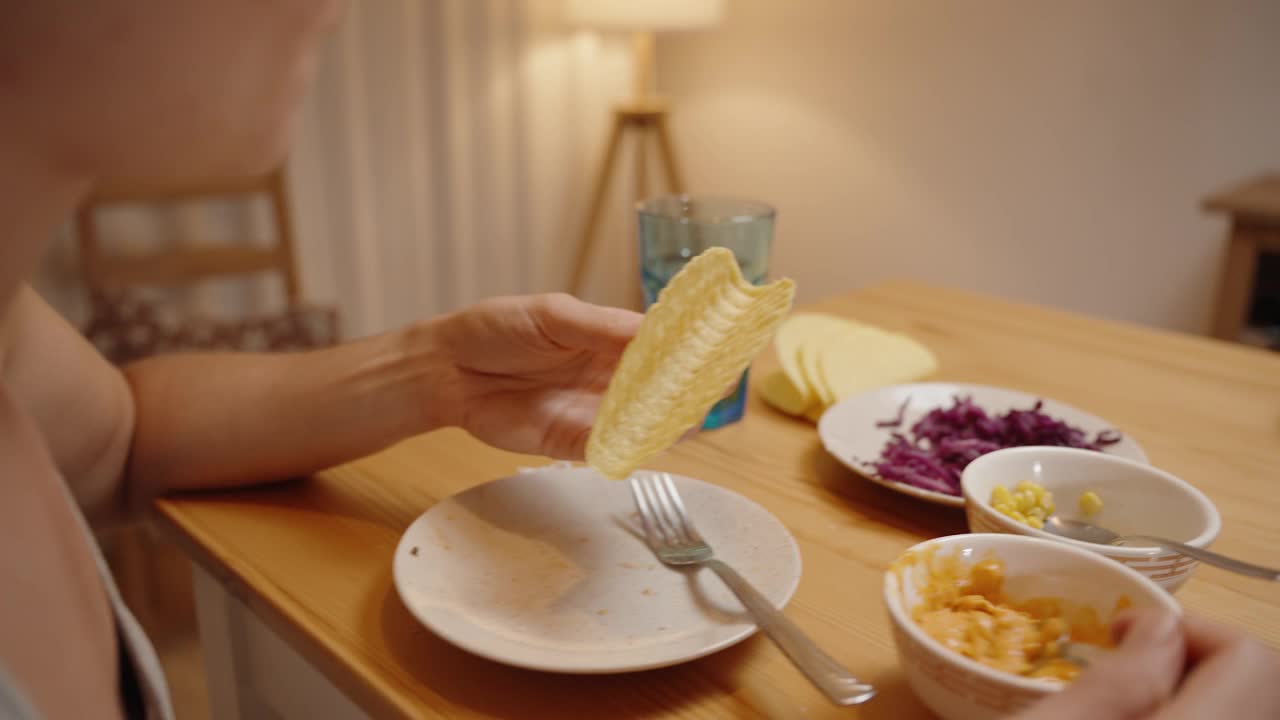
[987, 624]
[1015, 490]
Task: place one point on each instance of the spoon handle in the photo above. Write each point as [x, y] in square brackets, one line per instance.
[1213, 558]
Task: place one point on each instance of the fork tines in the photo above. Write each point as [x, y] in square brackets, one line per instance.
[666, 520]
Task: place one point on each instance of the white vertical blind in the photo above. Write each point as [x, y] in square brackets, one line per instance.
[443, 155]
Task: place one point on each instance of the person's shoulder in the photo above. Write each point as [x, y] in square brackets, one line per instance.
[21, 308]
[9, 309]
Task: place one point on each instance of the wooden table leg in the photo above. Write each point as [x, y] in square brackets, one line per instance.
[1236, 285]
[222, 642]
[253, 673]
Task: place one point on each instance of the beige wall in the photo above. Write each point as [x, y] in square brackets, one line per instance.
[1050, 151]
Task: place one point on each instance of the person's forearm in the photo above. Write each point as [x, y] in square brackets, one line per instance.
[220, 420]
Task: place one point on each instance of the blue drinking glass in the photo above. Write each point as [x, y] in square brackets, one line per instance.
[676, 228]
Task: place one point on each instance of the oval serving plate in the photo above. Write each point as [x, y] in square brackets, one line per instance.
[849, 432]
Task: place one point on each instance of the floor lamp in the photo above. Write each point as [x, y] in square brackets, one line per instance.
[644, 115]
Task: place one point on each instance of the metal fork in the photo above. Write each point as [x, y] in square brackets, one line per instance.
[674, 539]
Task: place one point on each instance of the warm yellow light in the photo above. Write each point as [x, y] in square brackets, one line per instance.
[653, 15]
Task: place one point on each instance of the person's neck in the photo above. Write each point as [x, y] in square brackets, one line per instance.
[36, 196]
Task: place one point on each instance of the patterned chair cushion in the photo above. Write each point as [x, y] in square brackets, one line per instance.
[125, 326]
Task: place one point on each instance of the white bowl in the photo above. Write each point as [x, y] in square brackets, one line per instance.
[1136, 498]
[958, 688]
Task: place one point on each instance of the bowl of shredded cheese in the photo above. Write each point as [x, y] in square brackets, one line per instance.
[987, 624]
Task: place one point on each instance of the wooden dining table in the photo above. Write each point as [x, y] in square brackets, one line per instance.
[299, 616]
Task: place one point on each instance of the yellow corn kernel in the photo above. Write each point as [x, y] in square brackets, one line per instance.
[1090, 503]
[1028, 503]
[1025, 499]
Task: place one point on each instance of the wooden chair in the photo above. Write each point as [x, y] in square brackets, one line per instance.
[125, 325]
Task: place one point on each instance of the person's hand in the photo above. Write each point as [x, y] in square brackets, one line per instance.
[527, 373]
[1171, 668]
[1230, 674]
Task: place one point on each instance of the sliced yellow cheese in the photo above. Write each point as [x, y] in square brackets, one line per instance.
[827, 358]
[872, 358]
[808, 353]
[797, 345]
[778, 390]
[814, 413]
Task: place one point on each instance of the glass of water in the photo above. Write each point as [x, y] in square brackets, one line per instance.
[676, 228]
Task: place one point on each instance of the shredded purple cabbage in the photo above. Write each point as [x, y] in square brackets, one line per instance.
[945, 440]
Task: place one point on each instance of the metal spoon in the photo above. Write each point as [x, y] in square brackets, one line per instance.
[1087, 532]
[1078, 654]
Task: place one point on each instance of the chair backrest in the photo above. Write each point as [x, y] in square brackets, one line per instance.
[188, 263]
[125, 325]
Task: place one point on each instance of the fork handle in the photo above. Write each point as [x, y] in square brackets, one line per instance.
[1212, 558]
[829, 676]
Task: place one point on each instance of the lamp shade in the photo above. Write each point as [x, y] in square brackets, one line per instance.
[654, 15]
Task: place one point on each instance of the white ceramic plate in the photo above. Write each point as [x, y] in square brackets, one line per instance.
[545, 570]
[849, 432]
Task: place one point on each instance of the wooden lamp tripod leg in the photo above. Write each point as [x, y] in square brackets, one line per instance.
[597, 203]
[643, 122]
[642, 170]
[668, 155]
